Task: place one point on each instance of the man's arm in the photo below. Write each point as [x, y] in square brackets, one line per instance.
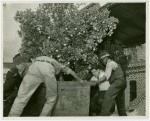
[61, 77]
[101, 80]
[69, 71]
[75, 75]
[107, 74]
[10, 82]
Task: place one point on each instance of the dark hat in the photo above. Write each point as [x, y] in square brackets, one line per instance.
[104, 54]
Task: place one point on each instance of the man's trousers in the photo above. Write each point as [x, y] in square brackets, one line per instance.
[96, 102]
[38, 72]
[112, 95]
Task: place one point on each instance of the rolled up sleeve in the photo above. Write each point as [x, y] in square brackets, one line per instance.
[93, 78]
[108, 71]
[111, 65]
[66, 70]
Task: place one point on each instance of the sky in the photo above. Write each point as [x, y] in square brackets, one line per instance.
[11, 39]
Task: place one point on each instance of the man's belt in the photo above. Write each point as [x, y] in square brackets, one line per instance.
[44, 61]
[110, 81]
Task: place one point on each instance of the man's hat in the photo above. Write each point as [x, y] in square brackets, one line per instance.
[104, 54]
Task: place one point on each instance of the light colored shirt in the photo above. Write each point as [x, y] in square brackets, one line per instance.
[111, 65]
[103, 86]
[57, 66]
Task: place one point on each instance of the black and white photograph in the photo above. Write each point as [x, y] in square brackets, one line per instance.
[74, 59]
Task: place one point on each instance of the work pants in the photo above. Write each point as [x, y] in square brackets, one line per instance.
[96, 103]
[112, 95]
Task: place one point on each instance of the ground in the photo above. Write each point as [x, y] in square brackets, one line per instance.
[139, 111]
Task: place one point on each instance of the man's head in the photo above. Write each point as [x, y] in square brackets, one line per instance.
[95, 72]
[103, 57]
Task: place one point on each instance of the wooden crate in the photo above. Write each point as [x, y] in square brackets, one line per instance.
[73, 100]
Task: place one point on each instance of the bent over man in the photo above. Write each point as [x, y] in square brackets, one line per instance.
[116, 77]
[43, 69]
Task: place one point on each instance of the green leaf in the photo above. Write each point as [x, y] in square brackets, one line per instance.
[62, 28]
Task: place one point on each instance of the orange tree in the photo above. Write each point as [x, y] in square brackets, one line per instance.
[61, 31]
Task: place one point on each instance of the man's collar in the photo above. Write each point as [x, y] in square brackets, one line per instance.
[108, 61]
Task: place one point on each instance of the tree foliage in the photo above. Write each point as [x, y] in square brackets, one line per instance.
[61, 31]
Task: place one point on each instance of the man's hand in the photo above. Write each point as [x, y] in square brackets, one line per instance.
[94, 84]
[82, 81]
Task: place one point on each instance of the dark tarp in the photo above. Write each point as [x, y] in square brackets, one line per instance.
[132, 23]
